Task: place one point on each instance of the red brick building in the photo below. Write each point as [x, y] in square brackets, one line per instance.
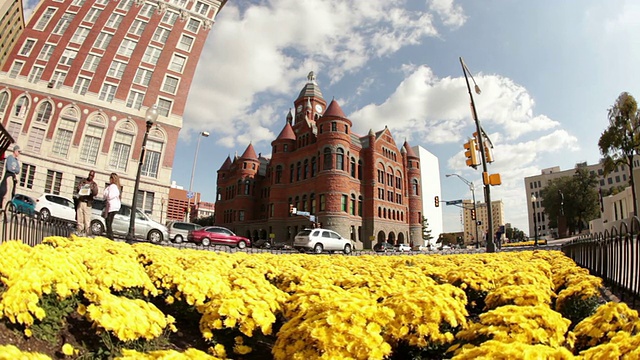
[75, 89]
[363, 187]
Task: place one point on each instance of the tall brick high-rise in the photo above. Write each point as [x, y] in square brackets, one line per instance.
[363, 187]
[75, 89]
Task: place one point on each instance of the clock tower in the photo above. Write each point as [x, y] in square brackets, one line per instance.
[310, 104]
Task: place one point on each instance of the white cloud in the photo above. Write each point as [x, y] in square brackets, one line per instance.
[261, 53]
[451, 14]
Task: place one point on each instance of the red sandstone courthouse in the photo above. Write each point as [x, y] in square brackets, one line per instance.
[363, 187]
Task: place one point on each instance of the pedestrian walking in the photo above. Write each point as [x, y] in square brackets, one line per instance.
[112, 202]
[87, 190]
[10, 178]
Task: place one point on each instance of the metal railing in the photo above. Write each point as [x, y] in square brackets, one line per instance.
[614, 256]
[30, 229]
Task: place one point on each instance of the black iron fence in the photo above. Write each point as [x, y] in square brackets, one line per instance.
[30, 229]
[614, 256]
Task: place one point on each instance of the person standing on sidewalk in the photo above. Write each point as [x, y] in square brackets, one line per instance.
[87, 190]
[10, 179]
[111, 196]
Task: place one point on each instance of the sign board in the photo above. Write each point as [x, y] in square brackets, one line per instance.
[272, 236]
[312, 218]
[190, 194]
[453, 202]
[303, 213]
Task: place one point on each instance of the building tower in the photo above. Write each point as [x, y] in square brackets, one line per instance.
[75, 89]
[358, 186]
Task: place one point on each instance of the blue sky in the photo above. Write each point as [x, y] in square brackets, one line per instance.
[549, 70]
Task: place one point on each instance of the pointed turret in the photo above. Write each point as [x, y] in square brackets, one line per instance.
[311, 89]
[334, 109]
[286, 133]
[409, 150]
[250, 153]
[227, 164]
[290, 117]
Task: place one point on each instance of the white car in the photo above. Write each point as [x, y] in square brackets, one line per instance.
[320, 240]
[403, 248]
[52, 206]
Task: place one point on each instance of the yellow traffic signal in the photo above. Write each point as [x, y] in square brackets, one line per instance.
[488, 156]
[437, 201]
[471, 153]
[473, 214]
[491, 179]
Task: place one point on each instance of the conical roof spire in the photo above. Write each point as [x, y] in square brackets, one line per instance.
[250, 153]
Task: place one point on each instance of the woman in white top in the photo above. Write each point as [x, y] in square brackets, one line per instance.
[112, 202]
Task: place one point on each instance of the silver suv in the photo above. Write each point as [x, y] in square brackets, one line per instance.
[178, 230]
[145, 227]
[320, 240]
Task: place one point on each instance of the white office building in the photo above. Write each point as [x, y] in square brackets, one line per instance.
[430, 174]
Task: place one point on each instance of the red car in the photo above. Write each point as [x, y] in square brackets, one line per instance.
[217, 235]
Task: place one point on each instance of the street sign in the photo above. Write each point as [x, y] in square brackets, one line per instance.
[312, 218]
[303, 213]
[190, 194]
[453, 202]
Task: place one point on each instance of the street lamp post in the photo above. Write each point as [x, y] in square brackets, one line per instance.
[535, 224]
[151, 116]
[193, 171]
[491, 246]
[473, 195]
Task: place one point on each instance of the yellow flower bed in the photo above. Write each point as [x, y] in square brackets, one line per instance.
[317, 306]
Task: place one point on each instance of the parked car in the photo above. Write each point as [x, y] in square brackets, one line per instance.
[320, 240]
[179, 230]
[425, 247]
[403, 248]
[22, 204]
[383, 247]
[217, 235]
[263, 243]
[145, 227]
[51, 206]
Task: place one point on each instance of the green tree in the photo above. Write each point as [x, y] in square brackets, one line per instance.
[574, 196]
[621, 139]
[513, 233]
[426, 232]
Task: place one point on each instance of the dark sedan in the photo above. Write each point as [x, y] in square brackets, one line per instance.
[217, 235]
[383, 247]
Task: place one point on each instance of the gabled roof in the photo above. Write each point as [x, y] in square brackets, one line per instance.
[227, 164]
[250, 153]
[334, 110]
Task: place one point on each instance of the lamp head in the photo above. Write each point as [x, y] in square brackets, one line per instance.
[152, 113]
[205, 133]
[477, 88]
[448, 175]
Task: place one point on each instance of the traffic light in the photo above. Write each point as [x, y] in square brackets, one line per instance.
[488, 156]
[471, 153]
[437, 201]
[473, 214]
[491, 179]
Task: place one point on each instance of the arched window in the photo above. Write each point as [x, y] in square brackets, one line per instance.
[352, 166]
[295, 203]
[327, 159]
[359, 169]
[306, 168]
[304, 203]
[314, 166]
[278, 174]
[239, 187]
[291, 173]
[4, 100]
[414, 183]
[360, 205]
[247, 187]
[219, 194]
[22, 106]
[299, 171]
[340, 159]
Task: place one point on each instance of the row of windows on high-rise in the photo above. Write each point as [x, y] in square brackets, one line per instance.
[117, 67]
[93, 134]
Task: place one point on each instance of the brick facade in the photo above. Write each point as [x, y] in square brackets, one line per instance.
[363, 187]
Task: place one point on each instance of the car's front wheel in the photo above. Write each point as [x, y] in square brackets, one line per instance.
[96, 227]
[242, 244]
[45, 214]
[206, 242]
[154, 236]
[347, 249]
[178, 239]
[318, 248]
